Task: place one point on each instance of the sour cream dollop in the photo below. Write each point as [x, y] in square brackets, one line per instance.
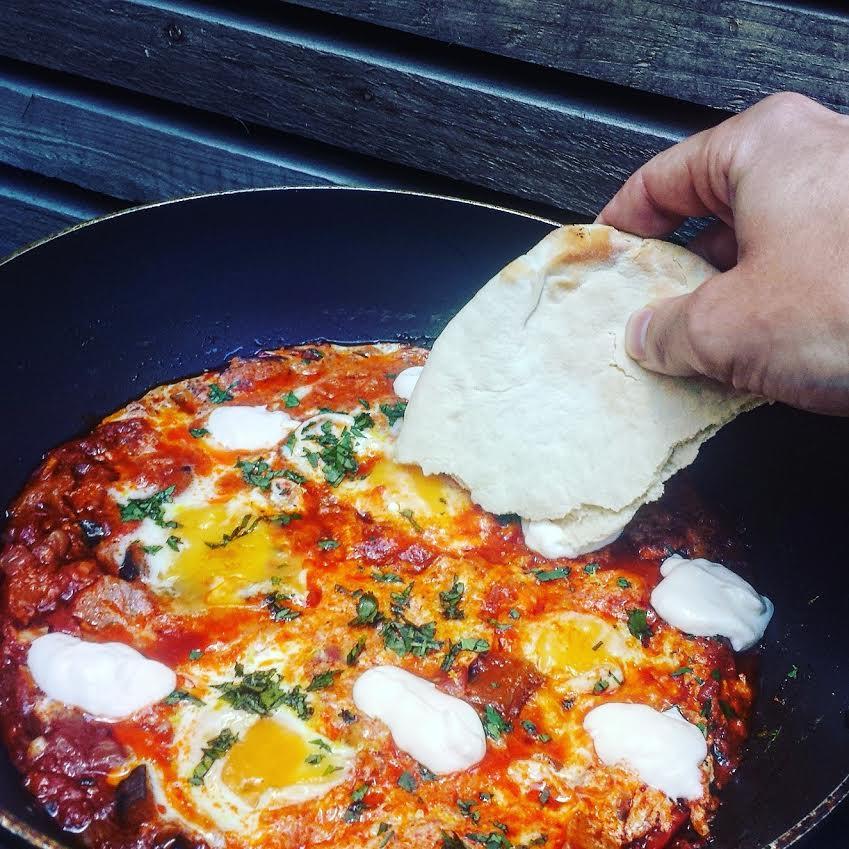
[547, 538]
[706, 599]
[405, 382]
[440, 731]
[107, 680]
[662, 748]
[249, 428]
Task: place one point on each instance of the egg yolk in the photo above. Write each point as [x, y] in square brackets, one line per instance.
[412, 488]
[271, 756]
[218, 575]
[570, 645]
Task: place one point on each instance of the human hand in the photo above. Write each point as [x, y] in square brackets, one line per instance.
[775, 320]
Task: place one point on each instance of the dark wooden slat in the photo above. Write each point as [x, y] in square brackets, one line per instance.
[32, 208]
[726, 54]
[549, 146]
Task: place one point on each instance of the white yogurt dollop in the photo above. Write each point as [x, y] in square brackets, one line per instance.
[440, 731]
[405, 382]
[547, 538]
[249, 428]
[663, 749]
[705, 599]
[107, 680]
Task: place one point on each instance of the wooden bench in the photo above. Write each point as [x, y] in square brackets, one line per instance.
[537, 104]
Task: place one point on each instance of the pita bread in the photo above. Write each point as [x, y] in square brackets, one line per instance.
[530, 401]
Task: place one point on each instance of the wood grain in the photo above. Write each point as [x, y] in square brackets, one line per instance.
[722, 53]
[32, 208]
[559, 147]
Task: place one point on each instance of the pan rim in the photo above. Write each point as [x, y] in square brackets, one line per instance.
[17, 826]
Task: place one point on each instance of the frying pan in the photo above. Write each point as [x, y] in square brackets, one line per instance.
[99, 315]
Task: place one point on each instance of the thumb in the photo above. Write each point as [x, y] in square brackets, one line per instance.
[695, 334]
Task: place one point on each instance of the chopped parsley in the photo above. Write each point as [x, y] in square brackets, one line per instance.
[198, 432]
[277, 604]
[716, 675]
[311, 355]
[624, 583]
[399, 602]
[450, 600]
[258, 472]
[727, 710]
[217, 395]
[794, 672]
[246, 525]
[426, 774]
[327, 544]
[467, 809]
[544, 795]
[215, 749]
[137, 509]
[177, 696]
[337, 454]
[284, 519]
[385, 832]
[600, 686]
[452, 841]
[356, 650]
[195, 654]
[363, 421]
[638, 624]
[323, 680]
[406, 638]
[591, 568]
[494, 724]
[682, 670]
[407, 782]
[493, 840]
[387, 578]
[545, 575]
[534, 732]
[173, 543]
[151, 549]
[260, 692]
[291, 400]
[465, 644]
[355, 810]
[408, 515]
[368, 611]
[393, 412]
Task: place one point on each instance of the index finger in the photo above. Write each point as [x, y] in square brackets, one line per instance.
[688, 179]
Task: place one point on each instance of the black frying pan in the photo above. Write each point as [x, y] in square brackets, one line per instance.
[97, 316]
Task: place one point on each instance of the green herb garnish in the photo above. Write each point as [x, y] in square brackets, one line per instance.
[291, 400]
[198, 432]
[406, 638]
[356, 650]
[278, 607]
[638, 624]
[494, 724]
[465, 644]
[177, 696]
[450, 600]
[368, 611]
[260, 692]
[138, 509]
[545, 575]
[244, 527]
[215, 749]
[393, 412]
[407, 782]
[217, 395]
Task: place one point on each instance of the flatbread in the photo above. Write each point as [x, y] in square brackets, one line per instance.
[530, 401]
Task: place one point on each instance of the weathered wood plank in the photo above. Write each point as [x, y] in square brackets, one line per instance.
[722, 53]
[557, 147]
[141, 149]
[32, 208]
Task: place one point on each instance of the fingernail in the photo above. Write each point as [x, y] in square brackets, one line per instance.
[636, 332]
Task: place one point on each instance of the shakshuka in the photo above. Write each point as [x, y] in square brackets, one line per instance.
[230, 619]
